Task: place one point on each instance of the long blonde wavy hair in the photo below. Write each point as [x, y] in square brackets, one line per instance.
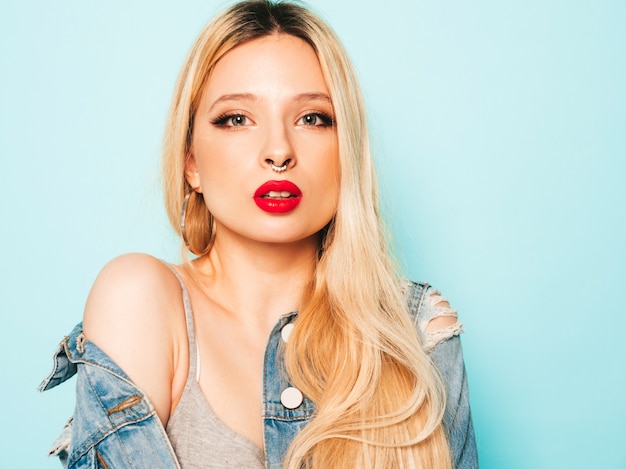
[355, 352]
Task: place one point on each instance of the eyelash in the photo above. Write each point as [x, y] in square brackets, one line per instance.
[223, 119]
[327, 121]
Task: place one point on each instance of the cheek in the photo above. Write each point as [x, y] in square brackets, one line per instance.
[332, 168]
[323, 150]
[328, 179]
[213, 162]
[223, 175]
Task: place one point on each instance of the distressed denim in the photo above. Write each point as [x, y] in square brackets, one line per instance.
[115, 426]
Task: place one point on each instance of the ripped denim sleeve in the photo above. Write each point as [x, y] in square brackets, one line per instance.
[443, 345]
[435, 305]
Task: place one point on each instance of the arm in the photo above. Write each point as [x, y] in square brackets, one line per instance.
[134, 315]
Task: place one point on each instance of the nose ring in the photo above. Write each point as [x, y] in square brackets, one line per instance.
[279, 169]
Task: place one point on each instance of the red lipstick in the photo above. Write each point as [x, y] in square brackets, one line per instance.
[278, 196]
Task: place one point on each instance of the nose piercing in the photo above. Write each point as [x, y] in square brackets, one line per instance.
[279, 169]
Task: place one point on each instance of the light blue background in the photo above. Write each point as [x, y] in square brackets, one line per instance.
[500, 133]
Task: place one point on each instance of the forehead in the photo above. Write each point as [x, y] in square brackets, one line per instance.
[276, 64]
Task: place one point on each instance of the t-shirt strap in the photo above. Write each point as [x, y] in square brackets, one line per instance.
[194, 352]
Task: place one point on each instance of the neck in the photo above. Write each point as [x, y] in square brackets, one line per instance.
[258, 282]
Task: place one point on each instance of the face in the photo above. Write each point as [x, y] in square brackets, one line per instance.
[264, 149]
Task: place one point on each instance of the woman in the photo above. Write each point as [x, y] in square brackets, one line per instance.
[266, 155]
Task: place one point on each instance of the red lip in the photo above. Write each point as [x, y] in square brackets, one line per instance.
[274, 204]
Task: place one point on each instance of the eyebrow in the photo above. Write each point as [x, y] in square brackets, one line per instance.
[251, 97]
[233, 97]
[313, 97]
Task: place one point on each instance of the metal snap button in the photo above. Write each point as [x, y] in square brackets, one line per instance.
[285, 332]
[291, 398]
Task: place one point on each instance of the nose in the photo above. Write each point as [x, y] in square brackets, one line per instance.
[278, 150]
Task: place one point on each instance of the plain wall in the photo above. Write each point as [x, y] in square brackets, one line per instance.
[499, 129]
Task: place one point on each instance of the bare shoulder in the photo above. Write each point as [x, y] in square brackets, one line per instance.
[132, 287]
[134, 313]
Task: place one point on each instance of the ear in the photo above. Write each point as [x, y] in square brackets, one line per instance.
[191, 173]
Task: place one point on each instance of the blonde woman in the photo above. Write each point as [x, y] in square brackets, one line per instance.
[289, 340]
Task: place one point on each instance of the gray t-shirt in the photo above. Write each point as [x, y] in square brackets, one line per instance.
[199, 438]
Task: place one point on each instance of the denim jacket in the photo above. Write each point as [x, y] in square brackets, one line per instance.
[114, 424]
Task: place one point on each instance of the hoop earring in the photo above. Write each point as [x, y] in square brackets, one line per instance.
[183, 217]
[183, 230]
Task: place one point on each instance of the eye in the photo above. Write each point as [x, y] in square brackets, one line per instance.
[316, 119]
[231, 120]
